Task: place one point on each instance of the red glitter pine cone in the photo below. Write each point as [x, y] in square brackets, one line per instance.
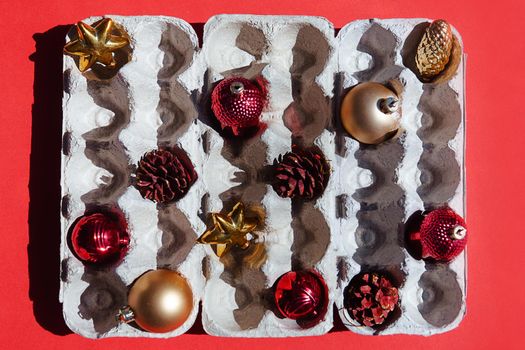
[443, 235]
[302, 173]
[238, 103]
[164, 175]
[370, 298]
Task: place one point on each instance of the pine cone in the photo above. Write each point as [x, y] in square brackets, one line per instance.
[164, 175]
[301, 173]
[370, 298]
[434, 49]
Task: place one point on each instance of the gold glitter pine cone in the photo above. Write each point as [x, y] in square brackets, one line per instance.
[434, 49]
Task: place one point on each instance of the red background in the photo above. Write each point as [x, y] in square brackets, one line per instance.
[493, 34]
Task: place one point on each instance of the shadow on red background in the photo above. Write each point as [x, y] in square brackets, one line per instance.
[44, 181]
[44, 184]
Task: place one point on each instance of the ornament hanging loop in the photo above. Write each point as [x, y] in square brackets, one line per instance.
[125, 315]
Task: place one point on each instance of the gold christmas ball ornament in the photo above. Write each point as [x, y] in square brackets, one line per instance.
[159, 301]
[370, 113]
[434, 50]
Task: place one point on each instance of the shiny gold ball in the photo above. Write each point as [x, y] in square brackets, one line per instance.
[161, 300]
[370, 113]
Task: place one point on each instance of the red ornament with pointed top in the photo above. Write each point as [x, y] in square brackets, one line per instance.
[100, 238]
[443, 235]
[238, 103]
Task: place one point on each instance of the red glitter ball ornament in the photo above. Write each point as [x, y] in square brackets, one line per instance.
[238, 103]
[100, 238]
[302, 296]
[443, 235]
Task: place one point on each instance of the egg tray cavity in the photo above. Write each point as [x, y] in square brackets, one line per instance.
[161, 98]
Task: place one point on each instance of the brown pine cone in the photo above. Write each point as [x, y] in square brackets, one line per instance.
[370, 298]
[302, 173]
[164, 175]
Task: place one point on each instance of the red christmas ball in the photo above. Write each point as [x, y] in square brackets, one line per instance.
[238, 103]
[443, 234]
[100, 238]
[302, 296]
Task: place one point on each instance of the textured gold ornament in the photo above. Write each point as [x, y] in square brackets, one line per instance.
[232, 229]
[370, 113]
[159, 301]
[96, 44]
[434, 49]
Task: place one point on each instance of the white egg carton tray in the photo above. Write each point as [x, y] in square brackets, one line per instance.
[161, 98]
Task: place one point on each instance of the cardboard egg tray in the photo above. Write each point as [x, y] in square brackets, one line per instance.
[161, 98]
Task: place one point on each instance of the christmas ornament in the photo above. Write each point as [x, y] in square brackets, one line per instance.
[434, 49]
[159, 301]
[96, 44]
[238, 103]
[370, 298]
[232, 229]
[302, 296]
[443, 235]
[370, 113]
[100, 238]
[164, 175]
[302, 173]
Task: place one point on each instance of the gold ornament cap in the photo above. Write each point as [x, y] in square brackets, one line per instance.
[159, 301]
[458, 232]
[370, 113]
